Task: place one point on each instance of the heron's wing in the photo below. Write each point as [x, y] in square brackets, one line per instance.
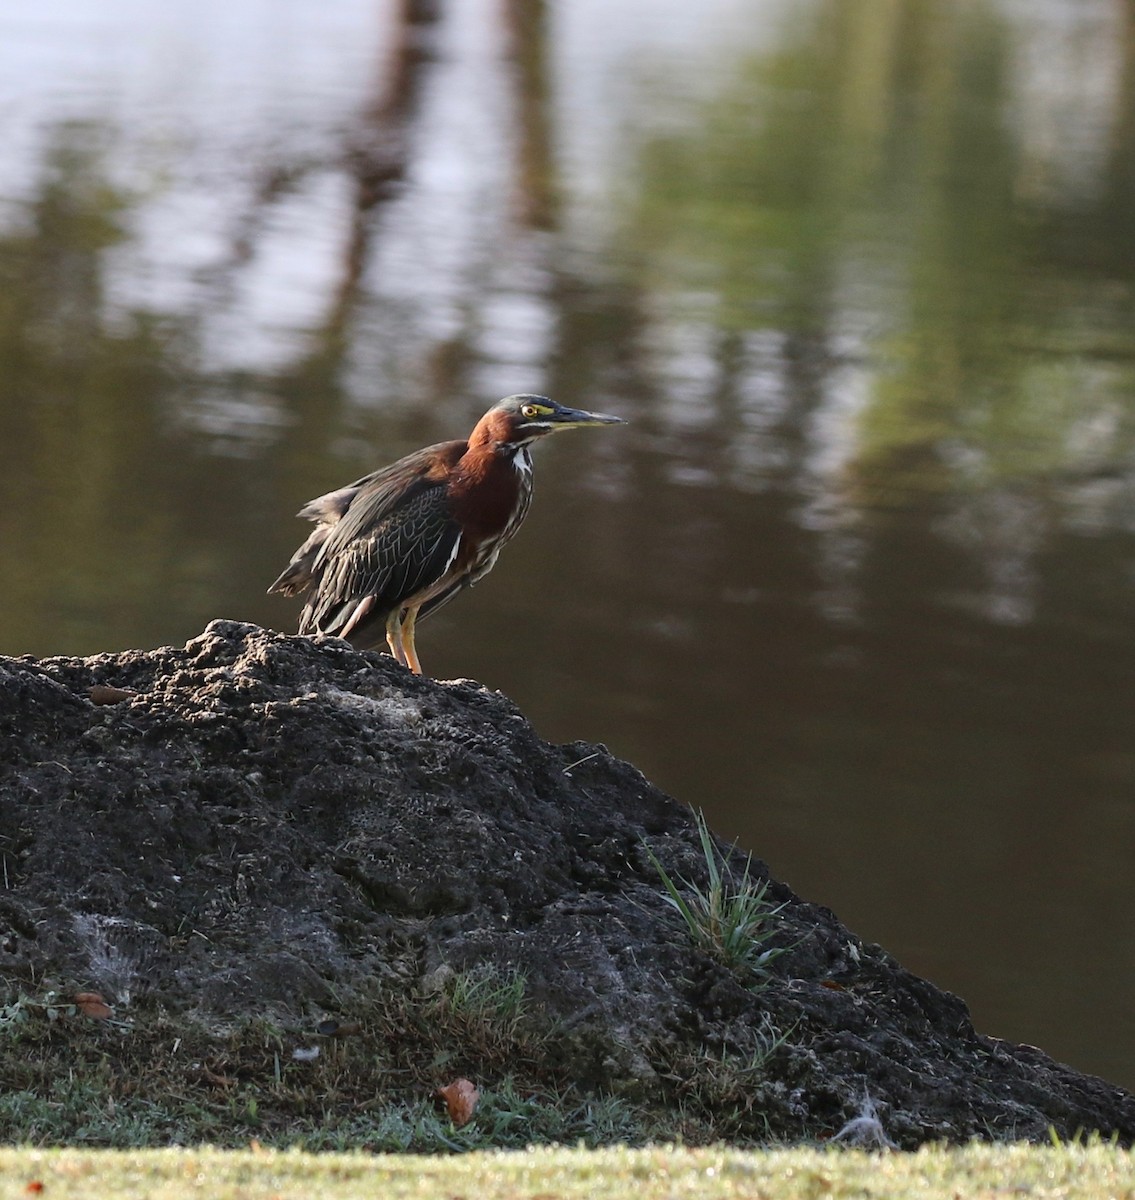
[368, 499]
[384, 551]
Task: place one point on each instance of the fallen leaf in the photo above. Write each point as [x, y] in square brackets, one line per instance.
[35, 1187]
[215, 1080]
[102, 693]
[460, 1098]
[92, 1005]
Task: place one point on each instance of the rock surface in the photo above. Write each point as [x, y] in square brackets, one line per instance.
[261, 823]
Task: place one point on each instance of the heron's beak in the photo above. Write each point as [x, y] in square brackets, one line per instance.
[573, 418]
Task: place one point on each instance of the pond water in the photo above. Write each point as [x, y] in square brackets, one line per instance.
[857, 578]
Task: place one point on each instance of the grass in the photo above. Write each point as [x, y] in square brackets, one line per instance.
[509, 1115]
[487, 1011]
[367, 1082]
[731, 917]
[155, 1080]
[1068, 1172]
[725, 1083]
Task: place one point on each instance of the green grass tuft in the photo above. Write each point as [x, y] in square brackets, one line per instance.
[731, 917]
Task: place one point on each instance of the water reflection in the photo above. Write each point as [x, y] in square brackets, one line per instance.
[857, 579]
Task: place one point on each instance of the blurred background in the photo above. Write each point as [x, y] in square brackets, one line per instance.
[858, 578]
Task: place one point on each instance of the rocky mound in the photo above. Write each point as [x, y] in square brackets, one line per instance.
[266, 826]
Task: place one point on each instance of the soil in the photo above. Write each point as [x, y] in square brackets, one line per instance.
[263, 826]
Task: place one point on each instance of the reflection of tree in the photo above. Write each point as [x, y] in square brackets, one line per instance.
[376, 153]
[92, 469]
[120, 522]
[863, 180]
[536, 193]
[380, 147]
[126, 519]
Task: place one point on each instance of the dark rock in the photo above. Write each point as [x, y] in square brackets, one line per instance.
[268, 823]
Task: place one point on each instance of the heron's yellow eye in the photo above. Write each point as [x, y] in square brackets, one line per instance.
[529, 410]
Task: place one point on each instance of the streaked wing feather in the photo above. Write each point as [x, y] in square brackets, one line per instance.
[366, 500]
[394, 559]
[375, 496]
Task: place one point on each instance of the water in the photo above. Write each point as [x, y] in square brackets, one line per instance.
[857, 578]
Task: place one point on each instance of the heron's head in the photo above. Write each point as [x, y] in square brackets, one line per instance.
[519, 420]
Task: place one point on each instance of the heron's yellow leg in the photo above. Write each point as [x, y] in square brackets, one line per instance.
[394, 637]
[410, 650]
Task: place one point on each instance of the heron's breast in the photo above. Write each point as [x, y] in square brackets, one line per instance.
[489, 495]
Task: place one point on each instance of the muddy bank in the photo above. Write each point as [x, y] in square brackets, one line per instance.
[263, 826]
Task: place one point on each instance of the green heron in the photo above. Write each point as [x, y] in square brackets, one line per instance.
[398, 543]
